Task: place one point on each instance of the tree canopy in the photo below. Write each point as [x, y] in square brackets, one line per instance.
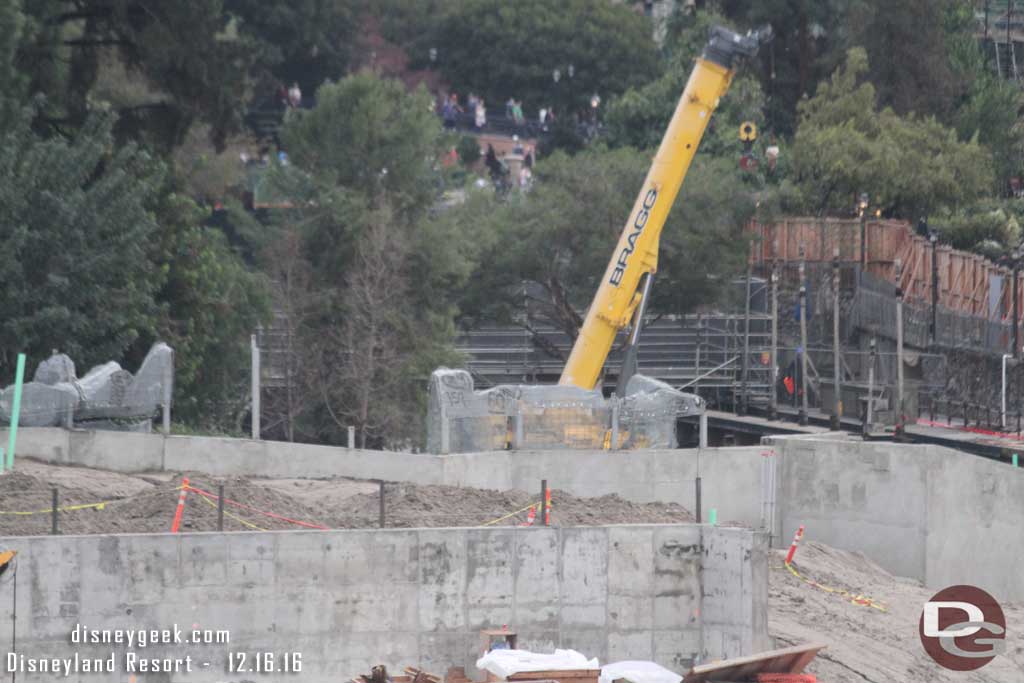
[369, 135]
[501, 50]
[557, 240]
[909, 165]
[75, 227]
[372, 275]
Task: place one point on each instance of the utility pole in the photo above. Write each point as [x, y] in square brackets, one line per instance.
[934, 239]
[1016, 305]
[773, 406]
[255, 350]
[746, 348]
[802, 418]
[900, 416]
[862, 209]
[837, 402]
[700, 342]
[869, 413]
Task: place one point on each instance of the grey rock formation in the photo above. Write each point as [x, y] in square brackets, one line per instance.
[56, 369]
[106, 397]
[461, 419]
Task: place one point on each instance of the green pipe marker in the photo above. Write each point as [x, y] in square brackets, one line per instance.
[713, 517]
[1015, 460]
[15, 410]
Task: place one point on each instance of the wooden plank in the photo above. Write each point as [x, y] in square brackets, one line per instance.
[556, 674]
[787, 660]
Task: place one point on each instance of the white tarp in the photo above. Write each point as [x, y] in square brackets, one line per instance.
[638, 672]
[504, 663]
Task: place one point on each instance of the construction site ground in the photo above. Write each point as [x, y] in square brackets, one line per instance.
[865, 643]
[146, 503]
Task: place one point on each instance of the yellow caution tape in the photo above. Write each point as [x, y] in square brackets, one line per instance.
[234, 517]
[84, 506]
[511, 514]
[857, 599]
[66, 508]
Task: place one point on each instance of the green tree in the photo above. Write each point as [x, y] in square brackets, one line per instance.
[188, 63]
[371, 136]
[552, 245]
[210, 303]
[303, 41]
[163, 66]
[909, 52]
[910, 166]
[640, 116]
[501, 50]
[74, 272]
[811, 37]
[990, 106]
[379, 275]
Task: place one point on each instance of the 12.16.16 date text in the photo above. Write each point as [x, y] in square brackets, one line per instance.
[264, 662]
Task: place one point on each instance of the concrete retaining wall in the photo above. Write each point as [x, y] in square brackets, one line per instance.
[731, 477]
[926, 512]
[350, 599]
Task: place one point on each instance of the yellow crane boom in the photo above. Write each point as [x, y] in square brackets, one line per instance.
[636, 254]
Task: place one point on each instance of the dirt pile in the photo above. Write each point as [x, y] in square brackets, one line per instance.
[868, 645]
[97, 502]
[409, 506]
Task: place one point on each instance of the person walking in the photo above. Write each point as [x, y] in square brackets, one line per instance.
[480, 115]
[517, 112]
[295, 96]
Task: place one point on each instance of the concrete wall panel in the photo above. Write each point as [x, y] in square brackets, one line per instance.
[351, 599]
[974, 512]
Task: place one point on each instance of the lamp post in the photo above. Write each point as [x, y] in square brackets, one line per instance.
[773, 408]
[900, 415]
[1017, 253]
[862, 210]
[802, 415]
[934, 240]
[837, 402]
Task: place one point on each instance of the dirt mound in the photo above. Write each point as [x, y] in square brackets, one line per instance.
[867, 645]
[410, 506]
[117, 503]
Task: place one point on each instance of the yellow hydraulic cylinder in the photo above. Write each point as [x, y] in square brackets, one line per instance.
[637, 251]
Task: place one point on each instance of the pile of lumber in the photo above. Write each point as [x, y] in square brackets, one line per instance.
[379, 674]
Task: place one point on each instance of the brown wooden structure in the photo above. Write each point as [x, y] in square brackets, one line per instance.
[968, 284]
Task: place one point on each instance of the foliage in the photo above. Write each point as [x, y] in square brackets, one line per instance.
[382, 275]
[210, 304]
[501, 50]
[369, 135]
[990, 106]
[74, 273]
[640, 116]
[300, 41]
[909, 166]
[556, 240]
[196, 69]
[811, 37]
[908, 48]
[187, 62]
[206, 175]
[970, 230]
[468, 150]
